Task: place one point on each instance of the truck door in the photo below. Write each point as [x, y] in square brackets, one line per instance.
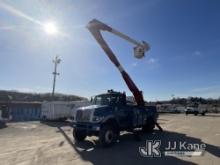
[122, 113]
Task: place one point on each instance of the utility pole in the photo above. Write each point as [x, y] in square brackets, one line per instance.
[56, 61]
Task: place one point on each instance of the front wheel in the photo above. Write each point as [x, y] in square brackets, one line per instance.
[79, 135]
[107, 135]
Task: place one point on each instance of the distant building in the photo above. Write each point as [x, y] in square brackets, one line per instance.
[167, 107]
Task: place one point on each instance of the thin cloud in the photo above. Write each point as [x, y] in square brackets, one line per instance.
[197, 53]
[152, 61]
[207, 92]
[35, 89]
[207, 89]
[25, 90]
[134, 64]
[7, 27]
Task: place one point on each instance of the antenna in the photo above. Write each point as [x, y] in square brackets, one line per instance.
[56, 61]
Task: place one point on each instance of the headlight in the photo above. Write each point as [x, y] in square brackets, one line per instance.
[97, 118]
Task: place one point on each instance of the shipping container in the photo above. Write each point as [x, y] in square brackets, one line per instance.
[60, 110]
[26, 111]
[20, 111]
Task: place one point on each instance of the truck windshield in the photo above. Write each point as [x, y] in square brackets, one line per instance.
[104, 100]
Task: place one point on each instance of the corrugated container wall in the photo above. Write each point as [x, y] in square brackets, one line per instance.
[24, 111]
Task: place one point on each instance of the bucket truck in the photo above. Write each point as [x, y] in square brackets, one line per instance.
[110, 112]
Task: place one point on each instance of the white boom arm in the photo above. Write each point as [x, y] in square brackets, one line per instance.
[95, 27]
[140, 48]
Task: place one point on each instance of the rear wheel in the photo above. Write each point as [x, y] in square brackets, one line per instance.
[149, 126]
[107, 135]
[79, 135]
[195, 113]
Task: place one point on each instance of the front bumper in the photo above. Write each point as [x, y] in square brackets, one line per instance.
[87, 126]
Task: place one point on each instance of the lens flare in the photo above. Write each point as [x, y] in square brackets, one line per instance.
[50, 28]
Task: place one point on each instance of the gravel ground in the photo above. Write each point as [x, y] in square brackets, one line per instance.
[35, 143]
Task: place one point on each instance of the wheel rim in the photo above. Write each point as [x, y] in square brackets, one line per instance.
[109, 136]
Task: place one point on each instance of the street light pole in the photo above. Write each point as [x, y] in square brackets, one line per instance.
[56, 61]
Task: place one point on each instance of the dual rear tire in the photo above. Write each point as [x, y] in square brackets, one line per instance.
[149, 126]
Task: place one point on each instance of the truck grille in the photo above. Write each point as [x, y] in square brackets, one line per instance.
[83, 115]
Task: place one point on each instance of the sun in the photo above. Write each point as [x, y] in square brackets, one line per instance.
[50, 28]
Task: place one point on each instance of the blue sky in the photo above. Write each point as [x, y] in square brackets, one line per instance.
[184, 36]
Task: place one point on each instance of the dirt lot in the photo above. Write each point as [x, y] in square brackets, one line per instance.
[52, 143]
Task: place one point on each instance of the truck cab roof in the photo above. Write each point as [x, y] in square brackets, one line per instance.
[111, 92]
[110, 98]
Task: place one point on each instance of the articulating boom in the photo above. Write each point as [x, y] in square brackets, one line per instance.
[95, 27]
